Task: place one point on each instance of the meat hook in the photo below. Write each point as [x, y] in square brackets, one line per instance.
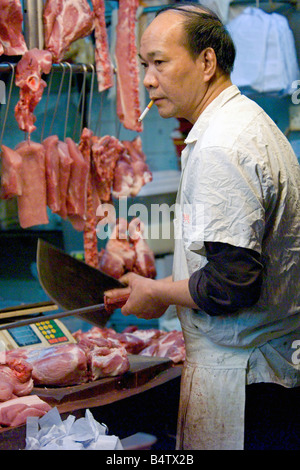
[8, 100]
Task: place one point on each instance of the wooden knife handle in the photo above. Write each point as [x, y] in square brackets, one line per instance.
[112, 303]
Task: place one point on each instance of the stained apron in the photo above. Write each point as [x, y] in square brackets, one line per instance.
[212, 397]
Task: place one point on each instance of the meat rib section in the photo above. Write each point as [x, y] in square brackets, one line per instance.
[104, 68]
[128, 101]
[32, 204]
[12, 41]
[28, 78]
[65, 21]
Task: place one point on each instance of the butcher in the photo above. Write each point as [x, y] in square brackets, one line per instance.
[235, 279]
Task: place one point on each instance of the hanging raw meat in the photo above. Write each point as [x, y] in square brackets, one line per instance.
[77, 189]
[89, 231]
[52, 160]
[105, 153]
[145, 259]
[128, 101]
[32, 204]
[65, 162]
[141, 172]
[12, 41]
[65, 22]
[127, 251]
[104, 68]
[119, 255]
[11, 180]
[29, 72]
[123, 177]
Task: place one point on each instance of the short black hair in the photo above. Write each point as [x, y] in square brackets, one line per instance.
[205, 29]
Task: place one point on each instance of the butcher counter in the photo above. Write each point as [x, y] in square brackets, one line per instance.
[145, 399]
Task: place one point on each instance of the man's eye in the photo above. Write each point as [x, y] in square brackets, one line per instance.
[144, 65]
[158, 62]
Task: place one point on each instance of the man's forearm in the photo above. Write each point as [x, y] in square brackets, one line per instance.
[174, 293]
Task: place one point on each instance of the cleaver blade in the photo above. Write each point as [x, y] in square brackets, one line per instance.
[72, 284]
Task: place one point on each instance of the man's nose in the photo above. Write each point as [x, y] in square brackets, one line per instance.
[150, 79]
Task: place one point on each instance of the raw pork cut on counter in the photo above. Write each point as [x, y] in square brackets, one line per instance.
[15, 378]
[12, 41]
[60, 365]
[65, 22]
[16, 411]
[73, 364]
[28, 78]
[152, 342]
[98, 353]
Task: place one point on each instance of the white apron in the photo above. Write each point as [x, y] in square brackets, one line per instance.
[212, 397]
[212, 401]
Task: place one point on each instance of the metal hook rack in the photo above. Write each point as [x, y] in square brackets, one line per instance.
[66, 69]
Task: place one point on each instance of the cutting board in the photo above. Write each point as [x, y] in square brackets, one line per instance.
[142, 370]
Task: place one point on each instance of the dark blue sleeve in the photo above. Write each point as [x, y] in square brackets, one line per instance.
[230, 280]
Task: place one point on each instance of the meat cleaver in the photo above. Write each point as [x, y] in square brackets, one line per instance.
[72, 284]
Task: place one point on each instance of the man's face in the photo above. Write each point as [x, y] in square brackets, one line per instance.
[173, 79]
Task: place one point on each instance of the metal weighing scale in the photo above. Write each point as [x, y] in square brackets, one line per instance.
[39, 334]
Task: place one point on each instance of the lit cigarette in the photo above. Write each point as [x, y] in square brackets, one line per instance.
[146, 110]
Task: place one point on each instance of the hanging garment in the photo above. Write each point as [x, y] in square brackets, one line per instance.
[266, 59]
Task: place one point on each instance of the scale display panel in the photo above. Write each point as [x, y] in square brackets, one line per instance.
[24, 336]
[40, 334]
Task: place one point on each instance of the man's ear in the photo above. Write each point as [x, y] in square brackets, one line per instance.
[208, 62]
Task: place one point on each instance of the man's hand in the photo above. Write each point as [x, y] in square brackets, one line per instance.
[145, 299]
[150, 298]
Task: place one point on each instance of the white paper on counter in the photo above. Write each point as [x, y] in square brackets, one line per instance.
[51, 433]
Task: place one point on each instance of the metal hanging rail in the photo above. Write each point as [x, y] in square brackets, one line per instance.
[76, 68]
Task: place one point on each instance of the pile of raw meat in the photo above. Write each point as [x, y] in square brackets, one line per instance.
[65, 22]
[16, 385]
[98, 353]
